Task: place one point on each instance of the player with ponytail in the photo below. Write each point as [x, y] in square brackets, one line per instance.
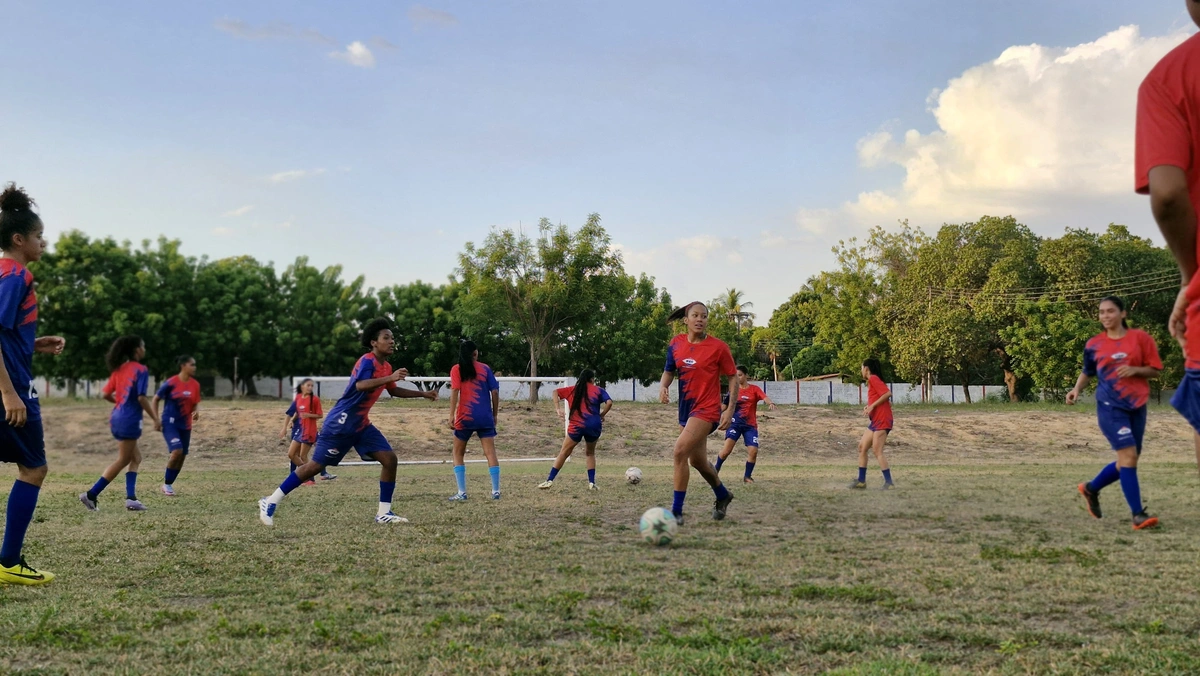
[587, 406]
[474, 404]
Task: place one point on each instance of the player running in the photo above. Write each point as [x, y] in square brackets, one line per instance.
[21, 440]
[879, 412]
[347, 425]
[700, 360]
[303, 415]
[471, 414]
[1122, 360]
[745, 423]
[126, 389]
[181, 396]
[588, 406]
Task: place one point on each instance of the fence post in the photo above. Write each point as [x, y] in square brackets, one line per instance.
[952, 394]
[798, 393]
[984, 397]
[860, 394]
[831, 391]
[635, 389]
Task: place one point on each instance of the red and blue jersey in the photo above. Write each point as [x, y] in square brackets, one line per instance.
[305, 403]
[474, 398]
[126, 385]
[699, 367]
[1102, 356]
[180, 401]
[746, 412]
[881, 417]
[588, 415]
[18, 331]
[350, 413]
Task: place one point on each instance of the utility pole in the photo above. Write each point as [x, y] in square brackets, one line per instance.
[235, 378]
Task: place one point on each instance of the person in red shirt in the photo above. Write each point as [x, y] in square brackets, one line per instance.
[181, 397]
[303, 415]
[879, 414]
[700, 360]
[587, 404]
[745, 423]
[1168, 141]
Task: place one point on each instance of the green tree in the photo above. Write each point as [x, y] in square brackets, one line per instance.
[796, 318]
[1047, 344]
[814, 360]
[737, 308]
[237, 315]
[317, 325]
[768, 341]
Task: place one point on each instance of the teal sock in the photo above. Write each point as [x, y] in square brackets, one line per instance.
[460, 477]
[494, 472]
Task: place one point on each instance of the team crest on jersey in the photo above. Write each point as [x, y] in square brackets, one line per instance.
[689, 361]
[1120, 355]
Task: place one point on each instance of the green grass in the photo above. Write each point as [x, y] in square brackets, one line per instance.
[962, 570]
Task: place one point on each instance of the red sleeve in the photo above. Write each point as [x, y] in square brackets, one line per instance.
[455, 380]
[316, 401]
[1162, 136]
[762, 396]
[728, 368]
[109, 387]
[1150, 352]
[564, 392]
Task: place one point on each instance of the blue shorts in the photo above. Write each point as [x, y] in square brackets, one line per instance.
[126, 430]
[484, 433]
[1122, 427]
[331, 448]
[24, 446]
[590, 436]
[178, 439]
[746, 433]
[298, 435]
[1187, 398]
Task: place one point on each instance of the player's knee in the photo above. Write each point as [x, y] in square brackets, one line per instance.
[32, 475]
[388, 460]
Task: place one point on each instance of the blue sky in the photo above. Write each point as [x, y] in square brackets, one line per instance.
[724, 144]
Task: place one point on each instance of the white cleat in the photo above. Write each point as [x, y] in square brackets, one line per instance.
[266, 512]
[135, 505]
[390, 518]
[592, 487]
[168, 491]
[545, 484]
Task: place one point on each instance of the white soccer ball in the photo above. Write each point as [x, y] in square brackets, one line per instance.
[658, 526]
[633, 475]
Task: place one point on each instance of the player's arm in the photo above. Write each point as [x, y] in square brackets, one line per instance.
[879, 402]
[405, 393]
[144, 402]
[727, 414]
[49, 345]
[605, 408]
[196, 412]
[664, 387]
[287, 424]
[154, 406]
[1176, 217]
[557, 410]
[495, 404]
[1080, 383]
[454, 394]
[14, 408]
[770, 404]
[372, 383]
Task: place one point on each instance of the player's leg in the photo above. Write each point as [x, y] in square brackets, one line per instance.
[731, 438]
[329, 451]
[568, 446]
[488, 439]
[460, 468]
[679, 456]
[126, 449]
[25, 447]
[305, 447]
[294, 454]
[131, 475]
[302, 454]
[387, 482]
[864, 446]
[178, 443]
[751, 459]
[699, 459]
[1111, 472]
[878, 441]
[1127, 462]
[589, 447]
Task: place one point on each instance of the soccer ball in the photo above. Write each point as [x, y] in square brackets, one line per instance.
[633, 475]
[658, 526]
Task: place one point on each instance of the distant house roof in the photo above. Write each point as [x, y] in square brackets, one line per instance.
[828, 376]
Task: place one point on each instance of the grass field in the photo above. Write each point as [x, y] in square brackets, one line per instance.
[982, 565]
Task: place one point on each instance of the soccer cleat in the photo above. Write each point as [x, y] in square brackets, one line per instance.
[747, 480]
[458, 497]
[390, 518]
[134, 505]
[719, 506]
[23, 573]
[592, 487]
[495, 495]
[266, 512]
[328, 477]
[1143, 521]
[858, 485]
[92, 505]
[678, 518]
[545, 484]
[310, 482]
[887, 486]
[1091, 500]
[168, 491]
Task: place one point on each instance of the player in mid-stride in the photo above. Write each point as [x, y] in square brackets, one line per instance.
[347, 425]
[21, 439]
[879, 415]
[1123, 360]
[587, 404]
[180, 395]
[302, 419]
[745, 423]
[700, 360]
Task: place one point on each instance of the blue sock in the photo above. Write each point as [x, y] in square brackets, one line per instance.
[677, 504]
[292, 467]
[592, 476]
[131, 485]
[460, 477]
[386, 489]
[721, 492]
[887, 476]
[862, 475]
[1110, 474]
[98, 488]
[21, 503]
[494, 472]
[291, 483]
[749, 469]
[720, 461]
[1133, 492]
[170, 477]
[553, 473]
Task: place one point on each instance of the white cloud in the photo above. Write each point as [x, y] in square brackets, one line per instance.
[356, 54]
[240, 211]
[294, 174]
[422, 16]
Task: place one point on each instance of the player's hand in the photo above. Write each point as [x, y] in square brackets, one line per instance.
[1072, 396]
[1126, 371]
[49, 345]
[1177, 324]
[431, 395]
[664, 396]
[195, 416]
[450, 423]
[399, 374]
[867, 411]
[726, 419]
[771, 406]
[157, 425]
[14, 409]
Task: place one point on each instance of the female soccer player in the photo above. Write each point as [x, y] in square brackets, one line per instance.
[588, 406]
[181, 396]
[470, 414]
[745, 423]
[700, 360]
[126, 389]
[879, 412]
[348, 425]
[21, 440]
[303, 415]
[1123, 360]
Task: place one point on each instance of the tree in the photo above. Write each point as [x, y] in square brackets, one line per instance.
[237, 315]
[736, 308]
[318, 323]
[796, 318]
[1047, 344]
[768, 341]
[814, 360]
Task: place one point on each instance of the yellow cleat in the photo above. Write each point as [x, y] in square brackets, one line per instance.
[22, 573]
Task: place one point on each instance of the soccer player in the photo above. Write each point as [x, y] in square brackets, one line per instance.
[470, 414]
[879, 414]
[1168, 141]
[745, 423]
[700, 360]
[348, 425]
[1122, 360]
[303, 415]
[126, 389]
[21, 439]
[588, 406]
[181, 396]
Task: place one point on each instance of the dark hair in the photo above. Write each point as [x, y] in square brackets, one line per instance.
[682, 312]
[183, 359]
[16, 214]
[581, 385]
[743, 369]
[1116, 300]
[466, 360]
[300, 385]
[372, 330]
[873, 366]
[123, 349]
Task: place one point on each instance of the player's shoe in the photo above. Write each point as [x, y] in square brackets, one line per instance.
[678, 518]
[592, 487]
[1143, 521]
[858, 485]
[887, 486]
[168, 491]
[458, 497]
[495, 495]
[134, 505]
[92, 505]
[390, 518]
[266, 512]
[719, 506]
[546, 484]
[23, 573]
[747, 480]
[1091, 500]
[310, 482]
[328, 477]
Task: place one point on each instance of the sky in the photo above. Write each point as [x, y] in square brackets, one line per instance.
[723, 144]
